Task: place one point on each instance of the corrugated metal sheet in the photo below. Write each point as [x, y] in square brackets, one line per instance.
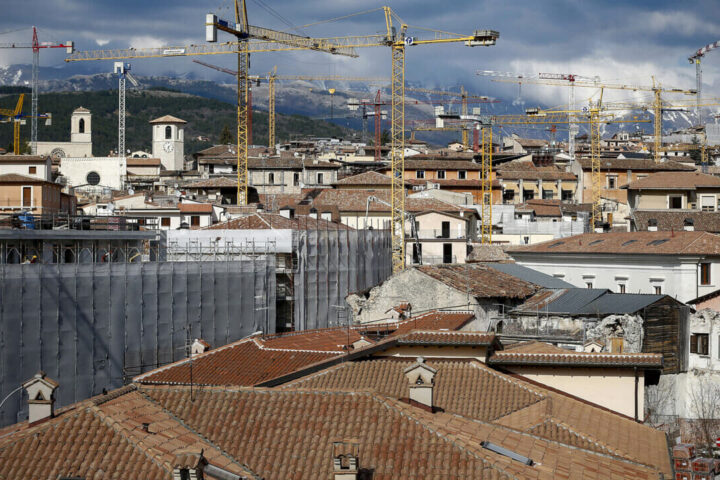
[620, 303]
[529, 275]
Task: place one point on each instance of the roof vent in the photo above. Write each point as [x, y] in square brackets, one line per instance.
[287, 212]
[199, 346]
[689, 224]
[507, 453]
[652, 225]
[41, 401]
[421, 380]
[346, 460]
[313, 213]
[259, 208]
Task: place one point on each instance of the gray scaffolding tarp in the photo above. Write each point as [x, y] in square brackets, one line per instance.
[95, 326]
[332, 264]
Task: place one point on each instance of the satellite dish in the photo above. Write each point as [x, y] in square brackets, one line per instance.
[131, 191]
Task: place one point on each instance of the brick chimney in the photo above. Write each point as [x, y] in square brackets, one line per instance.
[345, 460]
[421, 379]
[199, 346]
[41, 402]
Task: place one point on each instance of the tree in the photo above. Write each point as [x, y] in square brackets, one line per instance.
[704, 399]
[695, 152]
[225, 136]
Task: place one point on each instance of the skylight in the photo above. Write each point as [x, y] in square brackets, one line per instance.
[555, 244]
[659, 242]
[595, 242]
[628, 242]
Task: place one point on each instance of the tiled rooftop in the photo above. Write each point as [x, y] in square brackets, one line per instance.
[480, 280]
[675, 181]
[625, 164]
[436, 320]
[356, 201]
[675, 220]
[539, 353]
[275, 221]
[644, 243]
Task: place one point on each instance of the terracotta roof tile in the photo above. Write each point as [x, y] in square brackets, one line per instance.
[629, 243]
[356, 201]
[415, 163]
[455, 338]
[674, 181]
[217, 182]
[195, 207]
[636, 165]
[535, 175]
[16, 178]
[540, 353]
[437, 320]
[143, 162]
[480, 280]
[275, 221]
[167, 119]
[366, 178]
[246, 362]
[668, 220]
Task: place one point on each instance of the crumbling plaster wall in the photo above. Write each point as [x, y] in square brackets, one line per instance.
[423, 293]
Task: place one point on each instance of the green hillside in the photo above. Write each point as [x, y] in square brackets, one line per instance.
[205, 117]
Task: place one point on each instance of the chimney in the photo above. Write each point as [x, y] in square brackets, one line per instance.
[652, 225]
[189, 466]
[287, 212]
[40, 390]
[421, 379]
[313, 213]
[345, 460]
[199, 346]
[689, 225]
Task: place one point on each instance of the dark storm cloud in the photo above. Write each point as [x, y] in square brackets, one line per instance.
[619, 39]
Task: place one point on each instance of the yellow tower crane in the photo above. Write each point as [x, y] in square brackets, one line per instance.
[14, 116]
[398, 40]
[656, 89]
[249, 39]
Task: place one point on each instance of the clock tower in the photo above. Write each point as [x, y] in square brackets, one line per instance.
[167, 141]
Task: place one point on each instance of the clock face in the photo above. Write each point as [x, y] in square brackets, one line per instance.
[168, 147]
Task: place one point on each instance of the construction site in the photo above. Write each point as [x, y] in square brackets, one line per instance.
[519, 262]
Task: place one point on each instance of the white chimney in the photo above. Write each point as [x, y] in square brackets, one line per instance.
[652, 225]
[345, 460]
[313, 213]
[689, 225]
[287, 212]
[421, 379]
[199, 346]
[41, 403]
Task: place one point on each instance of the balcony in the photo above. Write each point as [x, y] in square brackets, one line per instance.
[431, 234]
[435, 260]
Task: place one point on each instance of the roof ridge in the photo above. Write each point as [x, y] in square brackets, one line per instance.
[197, 434]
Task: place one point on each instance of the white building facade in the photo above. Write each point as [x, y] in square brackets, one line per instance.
[80, 144]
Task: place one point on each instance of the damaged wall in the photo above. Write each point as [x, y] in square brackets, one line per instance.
[423, 293]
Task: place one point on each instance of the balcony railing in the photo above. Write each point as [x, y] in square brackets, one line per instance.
[434, 259]
[438, 233]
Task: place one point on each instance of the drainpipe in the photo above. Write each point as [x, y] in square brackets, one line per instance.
[636, 393]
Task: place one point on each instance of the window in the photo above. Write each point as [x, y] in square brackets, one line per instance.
[195, 221]
[296, 179]
[420, 174]
[699, 343]
[271, 178]
[612, 182]
[707, 203]
[32, 170]
[462, 175]
[168, 133]
[27, 196]
[165, 221]
[447, 253]
[93, 178]
[567, 195]
[445, 229]
[548, 194]
[320, 178]
[588, 284]
[528, 195]
[705, 274]
[499, 327]
[658, 290]
[441, 174]
[675, 202]
[508, 196]
[211, 168]
[81, 126]
[417, 253]
[621, 288]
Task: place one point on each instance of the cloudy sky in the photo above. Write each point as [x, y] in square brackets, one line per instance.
[616, 40]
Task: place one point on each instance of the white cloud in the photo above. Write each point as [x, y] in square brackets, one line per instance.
[102, 42]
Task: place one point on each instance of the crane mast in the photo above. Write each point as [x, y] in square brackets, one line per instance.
[696, 59]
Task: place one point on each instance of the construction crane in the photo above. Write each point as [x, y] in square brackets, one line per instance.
[273, 77]
[18, 118]
[122, 70]
[36, 47]
[463, 94]
[249, 39]
[398, 40]
[695, 58]
[408, 216]
[656, 89]
[14, 116]
[378, 115]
